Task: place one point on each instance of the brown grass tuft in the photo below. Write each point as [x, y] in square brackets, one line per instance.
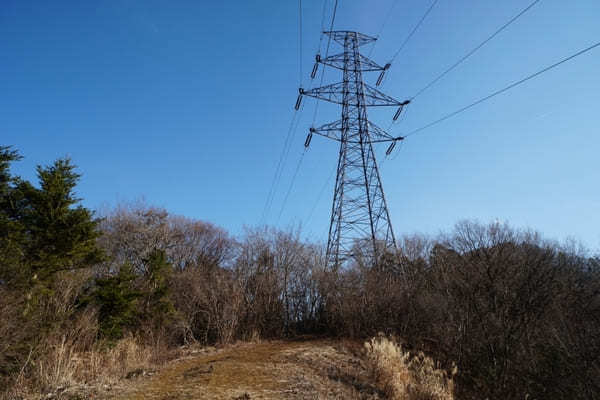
[64, 366]
[404, 376]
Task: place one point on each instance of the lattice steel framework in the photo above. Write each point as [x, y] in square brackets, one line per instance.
[360, 223]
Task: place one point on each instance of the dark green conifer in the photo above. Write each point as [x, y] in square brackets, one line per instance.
[62, 233]
[116, 297]
[158, 306]
[12, 230]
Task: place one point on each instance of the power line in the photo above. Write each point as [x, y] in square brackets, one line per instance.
[504, 89]
[279, 168]
[300, 40]
[398, 151]
[315, 113]
[291, 130]
[323, 15]
[294, 123]
[382, 158]
[325, 185]
[385, 21]
[414, 30]
[469, 54]
[322, 24]
[287, 195]
[326, 55]
[479, 46]
[287, 153]
[399, 120]
[387, 18]
[316, 106]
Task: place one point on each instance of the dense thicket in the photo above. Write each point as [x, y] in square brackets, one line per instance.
[519, 315]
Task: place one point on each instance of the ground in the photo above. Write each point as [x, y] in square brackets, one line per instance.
[309, 369]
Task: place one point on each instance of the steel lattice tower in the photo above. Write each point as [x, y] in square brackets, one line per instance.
[360, 222]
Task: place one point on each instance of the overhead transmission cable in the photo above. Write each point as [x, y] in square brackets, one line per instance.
[326, 55]
[414, 30]
[287, 153]
[315, 112]
[385, 21]
[470, 53]
[279, 168]
[287, 195]
[290, 133]
[300, 41]
[325, 185]
[479, 46]
[398, 151]
[322, 25]
[410, 35]
[504, 89]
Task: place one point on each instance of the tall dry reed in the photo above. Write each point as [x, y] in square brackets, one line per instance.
[404, 376]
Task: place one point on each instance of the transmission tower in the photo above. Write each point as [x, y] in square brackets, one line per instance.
[360, 226]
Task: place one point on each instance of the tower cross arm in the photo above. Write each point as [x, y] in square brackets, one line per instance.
[366, 64]
[333, 130]
[374, 97]
[335, 93]
[378, 135]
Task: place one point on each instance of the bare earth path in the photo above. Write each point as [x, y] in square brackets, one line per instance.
[318, 369]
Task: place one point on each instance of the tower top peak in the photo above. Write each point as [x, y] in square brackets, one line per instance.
[340, 37]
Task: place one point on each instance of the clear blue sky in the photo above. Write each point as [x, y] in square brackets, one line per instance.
[187, 103]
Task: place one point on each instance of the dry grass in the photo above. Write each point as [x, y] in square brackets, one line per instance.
[405, 376]
[64, 370]
[316, 369]
[310, 369]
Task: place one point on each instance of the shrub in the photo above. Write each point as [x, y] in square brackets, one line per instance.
[405, 376]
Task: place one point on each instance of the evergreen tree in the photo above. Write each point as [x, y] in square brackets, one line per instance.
[43, 231]
[117, 301]
[158, 306]
[62, 233]
[12, 230]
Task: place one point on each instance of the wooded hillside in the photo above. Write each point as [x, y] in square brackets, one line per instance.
[519, 315]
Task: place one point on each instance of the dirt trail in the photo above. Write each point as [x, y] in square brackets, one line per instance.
[270, 370]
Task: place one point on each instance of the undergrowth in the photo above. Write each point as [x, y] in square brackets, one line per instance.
[62, 366]
[402, 375]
